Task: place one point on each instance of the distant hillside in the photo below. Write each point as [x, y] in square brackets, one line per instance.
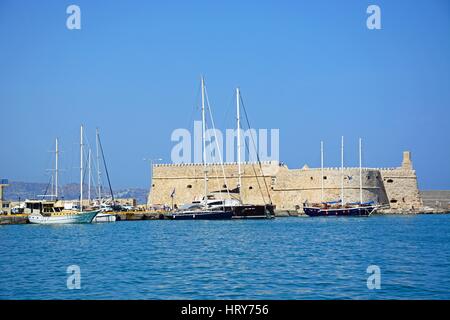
[31, 190]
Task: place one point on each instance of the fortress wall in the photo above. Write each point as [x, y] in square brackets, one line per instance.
[188, 181]
[294, 187]
[288, 188]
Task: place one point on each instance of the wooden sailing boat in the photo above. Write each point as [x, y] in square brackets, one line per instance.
[43, 213]
[341, 208]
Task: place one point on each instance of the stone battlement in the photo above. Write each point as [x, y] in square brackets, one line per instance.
[267, 163]
[215, 164]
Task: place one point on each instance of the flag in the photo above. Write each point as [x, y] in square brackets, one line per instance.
[349, 177]
[173, 193]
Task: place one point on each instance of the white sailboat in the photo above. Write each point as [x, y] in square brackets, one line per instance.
[42, 213]
[103, 216]
[62, 217]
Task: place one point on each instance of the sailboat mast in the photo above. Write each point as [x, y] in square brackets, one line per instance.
[81, 168]
[321, 167]
[52, 188]
[342, 170]
[360, 171]
[238, 125]
[204, 140]
[99, 191]
[89, 175]
[56, 169]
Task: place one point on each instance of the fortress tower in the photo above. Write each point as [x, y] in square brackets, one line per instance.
[401, 187]
[4, 205]
[407, 163]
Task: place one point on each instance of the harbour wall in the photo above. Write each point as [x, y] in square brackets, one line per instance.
[438, 199]
[120, 216]
[288, 189]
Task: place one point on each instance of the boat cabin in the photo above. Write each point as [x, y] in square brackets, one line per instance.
[41, 206]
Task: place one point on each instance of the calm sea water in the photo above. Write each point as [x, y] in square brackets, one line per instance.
[287, 258]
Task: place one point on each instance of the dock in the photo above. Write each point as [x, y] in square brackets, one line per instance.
[120, 216]
[14, 219]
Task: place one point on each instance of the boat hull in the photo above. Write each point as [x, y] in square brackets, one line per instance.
[71, 218]
[104, 217]
[253, 212]
[340, 212]
[203, 215]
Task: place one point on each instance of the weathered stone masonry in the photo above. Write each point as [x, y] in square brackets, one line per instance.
[288, 188]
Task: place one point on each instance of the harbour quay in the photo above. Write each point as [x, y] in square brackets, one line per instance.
[8, 219]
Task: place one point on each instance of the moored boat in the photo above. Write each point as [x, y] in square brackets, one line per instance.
[106, 206]
[341, 208]
[324, 210]
[216, 208]
[201, 215]
[202, 210]
[240, 209]
[63, 217]
[251, 211]
[45, 212]
[104, 217]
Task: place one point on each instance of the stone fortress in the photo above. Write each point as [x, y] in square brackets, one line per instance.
[396, 188]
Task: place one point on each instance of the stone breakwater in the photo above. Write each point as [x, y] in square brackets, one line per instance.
[395, 188]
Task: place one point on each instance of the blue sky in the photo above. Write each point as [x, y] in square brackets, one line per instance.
[310, 68]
